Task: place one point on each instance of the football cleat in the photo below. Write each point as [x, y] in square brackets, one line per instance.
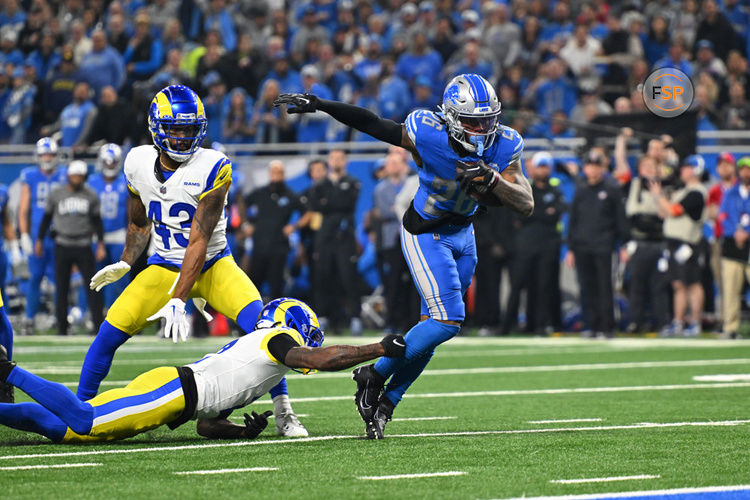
[288, 425]
[375, 428]
[6, 365]
[369, 386]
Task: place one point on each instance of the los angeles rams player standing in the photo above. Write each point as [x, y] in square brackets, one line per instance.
[37, 183]
[463, 153]
[113, 196]
[179, 191]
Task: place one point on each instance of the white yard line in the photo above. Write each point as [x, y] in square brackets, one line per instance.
[564, 421]
[605, 479]
[412, 476]
[52, 466]
[242, 418]
[224, 471]
[263, 442]
[629, 494]
[422, 419]
[736, 377]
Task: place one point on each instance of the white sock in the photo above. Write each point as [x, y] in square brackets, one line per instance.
[281, 405]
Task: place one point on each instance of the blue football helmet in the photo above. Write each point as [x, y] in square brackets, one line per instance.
[46, 146]
[177, 122]
[295, 314]
[109, 160]
[472, 112]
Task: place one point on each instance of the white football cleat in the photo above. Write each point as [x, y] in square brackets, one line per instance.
[288, 425]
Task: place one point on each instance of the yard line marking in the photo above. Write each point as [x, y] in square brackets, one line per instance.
[56, 370]
[564, 421]
[51, 466]
[411, 476]
[224, 471]
[272, 416]
[605, 479]
[262, 442]
[629, 494]
[737, 377]
[420, 419]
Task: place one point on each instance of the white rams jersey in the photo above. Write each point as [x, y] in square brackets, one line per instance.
[171, 204]
[241, 372]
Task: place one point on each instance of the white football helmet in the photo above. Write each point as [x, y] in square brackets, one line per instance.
[45, 154]
[472, 112]
[109, 160]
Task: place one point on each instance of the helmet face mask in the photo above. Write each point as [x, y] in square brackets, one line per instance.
[45, 154]
[472, 112]
[177, 122]
[294, 314]
[109, 160]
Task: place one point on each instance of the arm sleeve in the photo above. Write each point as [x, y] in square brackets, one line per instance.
[279, 346]
[693, 204]
[363, 120]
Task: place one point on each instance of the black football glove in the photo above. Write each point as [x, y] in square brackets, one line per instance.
[254, 424]
[298, 103]
[468, 177]
[394, 345]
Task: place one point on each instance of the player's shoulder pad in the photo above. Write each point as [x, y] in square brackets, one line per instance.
[511, 144]
[27, 174]
[420, 121]
[218, 169]
[138, 161]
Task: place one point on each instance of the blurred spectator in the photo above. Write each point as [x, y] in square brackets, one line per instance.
[172, 36]
[421, 59]
[218, 18]
[705, 60]
[12, 15]
[116, 33]
[685, 22]
[58, 91]
[684, 215]
[44, 59]
[597, 224]
[736, 114]
[309, 223]
[161, 12]
[103, 65]
[213, 104]
[336, 283]
[647, 260]
[269, 124]
[500, 31]
[535, 263]
[656, 43]
[30, 36]
[244, 67]
[309, 29]
[9, 52]
[313, 127]
[269, 210]
[16, 112]
[236, 117]
[555, 93]
[469, 63]
[74, 211]
[424, 98]
[676, 58]
[578, 53]
[169, 74]
[393, 97]
[715, 28]
[735, 208]
[76, 119]
[560, 26]
[82, 44]
[288, 79]
[144, 54]
[444, 42]
[394, 274]
[114, 122]
[371, 65]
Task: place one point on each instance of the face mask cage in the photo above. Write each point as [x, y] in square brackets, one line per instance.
[179, 138]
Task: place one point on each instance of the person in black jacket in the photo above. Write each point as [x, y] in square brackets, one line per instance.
[597, 225]
[268, 212]
[536, 260]
[336, 283]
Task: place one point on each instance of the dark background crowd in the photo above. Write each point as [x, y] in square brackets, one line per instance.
[84, 72]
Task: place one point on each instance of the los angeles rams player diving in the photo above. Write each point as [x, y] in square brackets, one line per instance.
[288, 336]
[463, 154]
[178, 193]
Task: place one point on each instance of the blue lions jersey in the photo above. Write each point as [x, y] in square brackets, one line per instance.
[113, 198]
[438, 189]
[40, 185]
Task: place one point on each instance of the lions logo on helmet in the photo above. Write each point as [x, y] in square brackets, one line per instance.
[45, 153]
[177, 122]
[294, 314]
[109, 160]
[471, 110]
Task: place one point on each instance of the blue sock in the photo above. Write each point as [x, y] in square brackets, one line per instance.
[248, 316]
[421, 340]
[98, 360]
[55, 397]
[279, 389]
[33, 417]
[6, 333]
[404, 377]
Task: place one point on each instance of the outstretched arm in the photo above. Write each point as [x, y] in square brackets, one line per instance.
[340, 357]
[221, 428]
[356, 117]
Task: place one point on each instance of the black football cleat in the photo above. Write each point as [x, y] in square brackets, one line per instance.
[375, 428]
[7, 393]
[5, 365]
[369, 386]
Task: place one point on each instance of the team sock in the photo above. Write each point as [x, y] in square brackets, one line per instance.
[248, 316]
[98, 360]
[281, 405]
[279, 389]
[33, 417]
[6, 333]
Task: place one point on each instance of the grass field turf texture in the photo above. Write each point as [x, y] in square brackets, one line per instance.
[517, 415]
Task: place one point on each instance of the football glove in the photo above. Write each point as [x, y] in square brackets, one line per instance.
[394, 345]
[298, 103]
[26, 245]
[109, 274]
[176, 324]
[254, 424]
[476, 178]
[14, 248]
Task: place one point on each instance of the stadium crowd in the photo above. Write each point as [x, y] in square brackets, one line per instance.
[85, 72]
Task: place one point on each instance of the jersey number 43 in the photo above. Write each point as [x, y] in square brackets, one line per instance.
[175, 212]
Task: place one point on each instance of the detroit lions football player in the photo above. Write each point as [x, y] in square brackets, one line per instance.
[464, 155]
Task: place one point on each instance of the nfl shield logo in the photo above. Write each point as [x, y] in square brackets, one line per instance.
[163, 189]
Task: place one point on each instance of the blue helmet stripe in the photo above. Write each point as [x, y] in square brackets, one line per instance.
[477, 84]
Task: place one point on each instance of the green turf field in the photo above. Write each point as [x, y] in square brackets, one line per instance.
[505, 417]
